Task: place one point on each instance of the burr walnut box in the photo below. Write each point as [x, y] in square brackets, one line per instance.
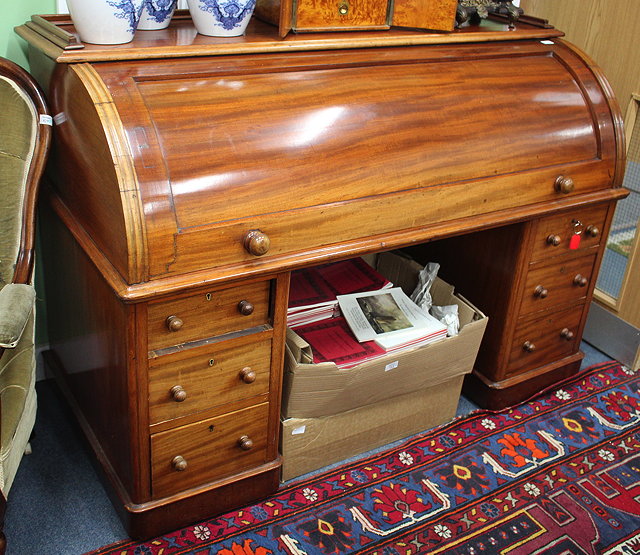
[349, 15]
[191, 175]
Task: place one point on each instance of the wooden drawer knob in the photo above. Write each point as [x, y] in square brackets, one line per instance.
[580, 280]
[528, 346]
[179, 463]
[174, 323]
[245, 308]
[256, 242]
[592, 231]
[567, 334]
[564, 184]
[343, 8]
[554, 240]
[540, 292]
[178, 394]
[245, 443]
[247, 375]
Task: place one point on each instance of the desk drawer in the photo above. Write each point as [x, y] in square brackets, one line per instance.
[556, 284]
[208, 450]
[208, 314]
[183, 383]
[332, 15]
[553, 235]
[542, 340]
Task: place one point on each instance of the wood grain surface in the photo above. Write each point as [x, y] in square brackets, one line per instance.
[384, 122]
[439, 15]
[546, 335]
[207, 314]
[559, 279]
[210, 376]
[327, 14]
[211, 449]
[588, 223]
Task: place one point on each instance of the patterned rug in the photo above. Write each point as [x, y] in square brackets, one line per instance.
[559, 474]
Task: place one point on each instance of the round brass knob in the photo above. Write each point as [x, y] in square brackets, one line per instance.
[179, 463]
[256, 242]
[554, 240]
[245, 443]
[528, 346]
[567, 334]
[174, 323]
[178, 394]
[247, 375]
[592, 231]
[540, 292]
[564, 184]
[245, 308]
[343, 8]
[580, 280]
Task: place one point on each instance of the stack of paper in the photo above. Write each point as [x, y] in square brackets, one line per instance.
[348, 313]
[332, 341]
[411, 339]
[313, 291]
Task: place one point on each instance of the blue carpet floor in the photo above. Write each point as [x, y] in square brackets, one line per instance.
[57, 505]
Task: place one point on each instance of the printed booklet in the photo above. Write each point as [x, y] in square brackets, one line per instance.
[390, 318]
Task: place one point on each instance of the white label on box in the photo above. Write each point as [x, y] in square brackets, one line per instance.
[46, 119]
[391, 366]
[299, 430]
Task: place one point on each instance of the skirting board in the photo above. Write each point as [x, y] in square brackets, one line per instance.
[40, 365]
[613, 336]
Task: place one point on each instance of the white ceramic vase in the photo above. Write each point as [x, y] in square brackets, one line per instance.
[221, 18]
[105, 21]
[156, 14]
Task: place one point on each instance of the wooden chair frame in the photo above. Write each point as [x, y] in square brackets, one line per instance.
[26, 254]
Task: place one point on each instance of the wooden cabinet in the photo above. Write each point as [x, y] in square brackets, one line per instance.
[534, 281]
[192, 174]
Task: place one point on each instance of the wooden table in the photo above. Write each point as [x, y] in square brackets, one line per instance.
[192, 174]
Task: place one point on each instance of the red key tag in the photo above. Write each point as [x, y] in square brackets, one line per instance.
[574, 242]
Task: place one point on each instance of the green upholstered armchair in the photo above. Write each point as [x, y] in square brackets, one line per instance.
[25, 132]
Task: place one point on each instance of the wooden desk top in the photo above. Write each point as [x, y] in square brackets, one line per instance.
[56, 36]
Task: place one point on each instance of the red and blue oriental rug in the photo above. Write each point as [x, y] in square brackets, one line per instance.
[559, 474]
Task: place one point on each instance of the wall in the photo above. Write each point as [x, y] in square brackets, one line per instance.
[16, 13]
[606, 30]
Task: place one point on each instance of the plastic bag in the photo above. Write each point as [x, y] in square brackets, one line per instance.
[448, 315]
[422, 293]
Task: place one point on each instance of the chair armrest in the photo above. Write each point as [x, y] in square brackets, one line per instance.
[16, 305]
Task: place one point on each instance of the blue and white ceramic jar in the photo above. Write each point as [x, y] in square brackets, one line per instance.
[105, 21]
[156, 14]
[221, 18]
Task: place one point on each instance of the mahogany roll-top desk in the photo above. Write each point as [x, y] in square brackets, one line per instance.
[192, 174]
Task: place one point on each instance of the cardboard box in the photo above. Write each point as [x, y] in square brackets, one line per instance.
[308, 444]
[317, 390]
